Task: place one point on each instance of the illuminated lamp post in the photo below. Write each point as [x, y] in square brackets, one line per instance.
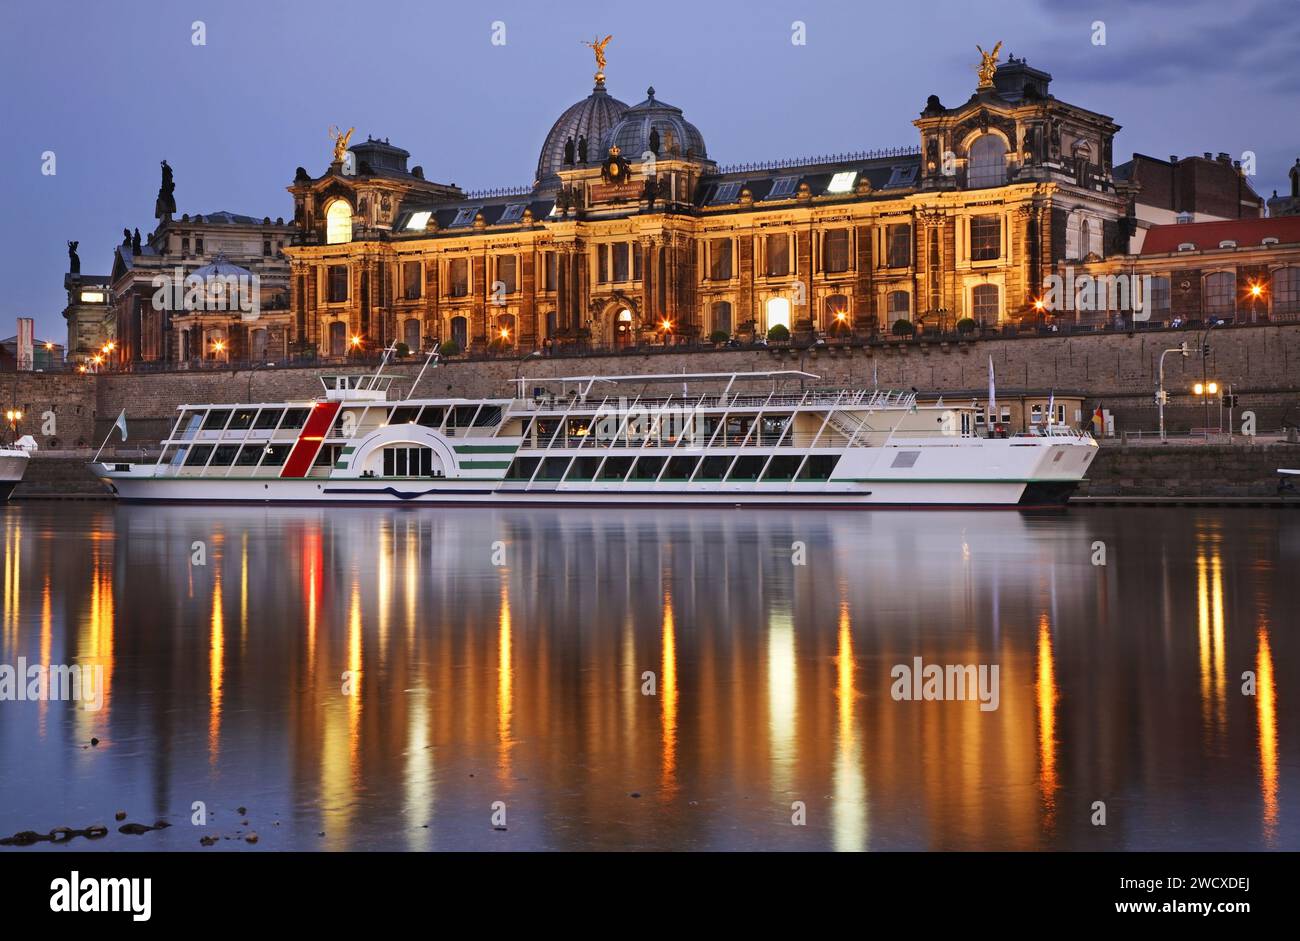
[666, 327]
[1256, 291]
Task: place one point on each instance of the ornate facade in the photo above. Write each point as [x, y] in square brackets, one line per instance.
[632, 234]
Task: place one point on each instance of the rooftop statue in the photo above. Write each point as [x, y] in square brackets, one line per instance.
[598, 47]
[340, 142]
[988, 64]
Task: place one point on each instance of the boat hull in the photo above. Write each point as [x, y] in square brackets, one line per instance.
[13, 464]
[955, 493]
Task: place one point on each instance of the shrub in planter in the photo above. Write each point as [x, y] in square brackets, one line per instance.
[401, 349]
[966, 326]
[450, 348]
[779, 332]
[719, 336]
[904, 328]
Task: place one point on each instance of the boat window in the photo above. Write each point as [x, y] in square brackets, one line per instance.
[747, 468]
[276, 455]
[616, 468]
[584, 468]
[327, 455]
[715, 467]
[404, 415]
[522, 468]
[198, 455]
[462, 415]
[488, 416]
[648, 468]
[432, 416]
[224, 455]
[242, 420]
[546, 429]
[295, 417]
[216, 419]
[188, 424]
[579, 427]
[782, 467]
[681, 468]
[819, 467]
[249, 455]
[553, 468]
[268, 418]
[408, 462]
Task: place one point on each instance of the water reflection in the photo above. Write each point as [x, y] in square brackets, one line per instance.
[388, 680]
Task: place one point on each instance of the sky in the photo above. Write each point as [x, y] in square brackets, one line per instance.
[110, 89]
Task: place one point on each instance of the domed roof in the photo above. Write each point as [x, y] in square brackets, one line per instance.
[590, 118]
[220, 267]
[675, 136]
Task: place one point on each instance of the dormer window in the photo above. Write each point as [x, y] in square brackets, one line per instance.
[513, 213]
[784, 187]
[726, 193]
[465, 216]
[902, 176]
[1227, 243]
[418, 221]
[1187, 247]
[842, 182]
[1268, 241]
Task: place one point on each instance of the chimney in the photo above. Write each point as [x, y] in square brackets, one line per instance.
[1208, 155]
[1173, 158]
[1224, 158]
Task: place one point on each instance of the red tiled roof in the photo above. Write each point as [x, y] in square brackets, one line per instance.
[1162, 239]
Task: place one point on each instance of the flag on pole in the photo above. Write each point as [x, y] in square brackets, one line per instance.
[1051, 407]
[1098, 419]
[993, 394]
[120, 424]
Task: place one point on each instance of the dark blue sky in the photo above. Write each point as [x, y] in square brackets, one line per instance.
[112, 88]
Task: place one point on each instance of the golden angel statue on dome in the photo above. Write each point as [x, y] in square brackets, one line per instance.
[988, 64]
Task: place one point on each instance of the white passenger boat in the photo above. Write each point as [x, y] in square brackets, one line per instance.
[702, 439]
[13, 464]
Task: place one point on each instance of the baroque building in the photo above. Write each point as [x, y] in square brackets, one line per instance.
[631, 233]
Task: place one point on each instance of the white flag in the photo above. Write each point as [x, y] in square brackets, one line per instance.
[993, 395]
[1051, 407]
[120, 424]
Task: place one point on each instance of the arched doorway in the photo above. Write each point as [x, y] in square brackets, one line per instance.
[624, 335]
[778, 312]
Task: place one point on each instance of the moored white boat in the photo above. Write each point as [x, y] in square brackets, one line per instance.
[13, 464]
[721, 439]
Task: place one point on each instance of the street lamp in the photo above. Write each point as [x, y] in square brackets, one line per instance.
[1161, 395]
[1204, 390]
[1256, 291]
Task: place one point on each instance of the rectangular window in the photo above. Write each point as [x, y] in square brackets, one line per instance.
[242, 420]
[835, 251]
[268, 418]
[458, 277]
[507, 273]
[411, 280]
[224, 455]
[898, 248]
[522, 468]
[985, 238]
[720, 259]
[550, 271]
[338, 284]
[602, 263]
[249, 455]
[295, 418]
[778, 255]
[216, 420]
[620, 261]
[714, 468]
[636, 261]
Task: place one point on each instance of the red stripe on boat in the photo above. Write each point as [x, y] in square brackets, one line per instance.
[309, 440]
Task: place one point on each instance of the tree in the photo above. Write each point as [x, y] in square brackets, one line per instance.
[779, 332]
[904, 327]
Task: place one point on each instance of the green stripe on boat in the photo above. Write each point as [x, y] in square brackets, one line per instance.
[484, 465]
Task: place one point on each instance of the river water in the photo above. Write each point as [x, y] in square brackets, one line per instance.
[524, 679]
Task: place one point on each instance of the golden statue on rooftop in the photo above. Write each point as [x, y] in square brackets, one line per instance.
[988, 64]
[598, 46]
[340, 142]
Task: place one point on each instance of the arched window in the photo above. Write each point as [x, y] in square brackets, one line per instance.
[411, 333]
[258, 343]
[837, 317]
[722, 316]
[778, 312]
[985, 307]
[1085, 239]
[986, 162]
[900, 306]
[551, 323]
[338, 222]
[1286, 292]
[460, 332]
[1221, 294]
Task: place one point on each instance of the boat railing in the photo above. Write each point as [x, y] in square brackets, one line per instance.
[821, 398]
